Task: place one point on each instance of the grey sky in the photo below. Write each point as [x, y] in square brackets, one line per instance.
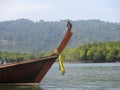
[54, 10]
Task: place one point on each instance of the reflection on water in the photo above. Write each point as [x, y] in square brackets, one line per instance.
[20, 88]
[100, 76]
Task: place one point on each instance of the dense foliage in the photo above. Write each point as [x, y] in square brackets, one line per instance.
[26, 36]
[16, 57]
[95, 52]
[92, 52]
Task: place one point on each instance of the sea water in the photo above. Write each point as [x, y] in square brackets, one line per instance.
[85, 76]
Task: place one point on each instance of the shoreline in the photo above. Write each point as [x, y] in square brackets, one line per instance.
[87, 62]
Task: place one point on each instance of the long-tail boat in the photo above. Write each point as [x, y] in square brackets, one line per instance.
[31, 72]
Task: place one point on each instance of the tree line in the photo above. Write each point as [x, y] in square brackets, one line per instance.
[91, 52]
[94, 52]
[8, 57]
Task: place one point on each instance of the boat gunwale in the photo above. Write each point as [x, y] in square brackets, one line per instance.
[28, 61]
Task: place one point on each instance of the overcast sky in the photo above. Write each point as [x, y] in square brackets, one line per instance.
[55, 10]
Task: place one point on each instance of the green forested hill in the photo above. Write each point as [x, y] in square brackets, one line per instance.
[26, 36]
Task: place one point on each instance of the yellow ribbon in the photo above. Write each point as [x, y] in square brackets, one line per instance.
[62, 69]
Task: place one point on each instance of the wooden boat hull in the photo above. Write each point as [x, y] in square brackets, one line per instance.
[31, 71]
[26, 72]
